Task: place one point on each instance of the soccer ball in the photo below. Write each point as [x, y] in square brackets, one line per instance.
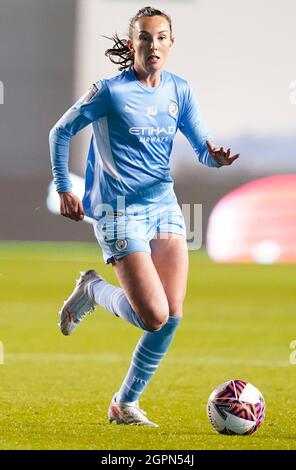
[236, 407]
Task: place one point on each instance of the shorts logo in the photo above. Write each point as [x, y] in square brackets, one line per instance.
[120, 245]
[173, 109]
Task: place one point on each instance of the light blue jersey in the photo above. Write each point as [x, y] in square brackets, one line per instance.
[133, 131]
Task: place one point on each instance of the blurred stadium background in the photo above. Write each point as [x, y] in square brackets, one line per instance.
[51, 51]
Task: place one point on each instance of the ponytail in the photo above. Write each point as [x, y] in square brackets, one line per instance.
[120, 54]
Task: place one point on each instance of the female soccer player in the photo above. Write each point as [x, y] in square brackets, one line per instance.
[129, 194]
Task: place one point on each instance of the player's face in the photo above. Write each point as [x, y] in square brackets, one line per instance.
[151, 43]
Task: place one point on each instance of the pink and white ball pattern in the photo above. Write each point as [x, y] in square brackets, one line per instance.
[236, 407]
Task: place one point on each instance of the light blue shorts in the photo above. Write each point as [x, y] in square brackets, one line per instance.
[122, 232]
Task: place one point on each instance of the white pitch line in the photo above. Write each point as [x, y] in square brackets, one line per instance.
[51, 357]
[62, 357]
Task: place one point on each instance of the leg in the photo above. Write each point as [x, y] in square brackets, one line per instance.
[140, 281]
[156, 285]
[170, 258]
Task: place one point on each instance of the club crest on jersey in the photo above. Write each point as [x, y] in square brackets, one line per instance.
[120, 245]
[173, 109]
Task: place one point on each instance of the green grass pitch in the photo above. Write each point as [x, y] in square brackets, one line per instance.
[239, 323]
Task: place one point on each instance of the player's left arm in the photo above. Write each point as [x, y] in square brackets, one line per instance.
[220, 155]
[192, 126]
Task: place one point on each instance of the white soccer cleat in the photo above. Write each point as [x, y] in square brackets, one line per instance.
[79, 304]
[128, 413]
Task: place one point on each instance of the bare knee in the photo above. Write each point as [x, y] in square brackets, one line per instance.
[155, 324]
[154, 320]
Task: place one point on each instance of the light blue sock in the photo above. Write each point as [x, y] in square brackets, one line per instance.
[149, 351]
[114, 300]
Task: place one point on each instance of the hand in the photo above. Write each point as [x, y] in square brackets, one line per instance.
[220, 156]
[71, 206]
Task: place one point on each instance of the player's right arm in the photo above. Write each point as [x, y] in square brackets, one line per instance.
[59, 143]
[86, 110]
